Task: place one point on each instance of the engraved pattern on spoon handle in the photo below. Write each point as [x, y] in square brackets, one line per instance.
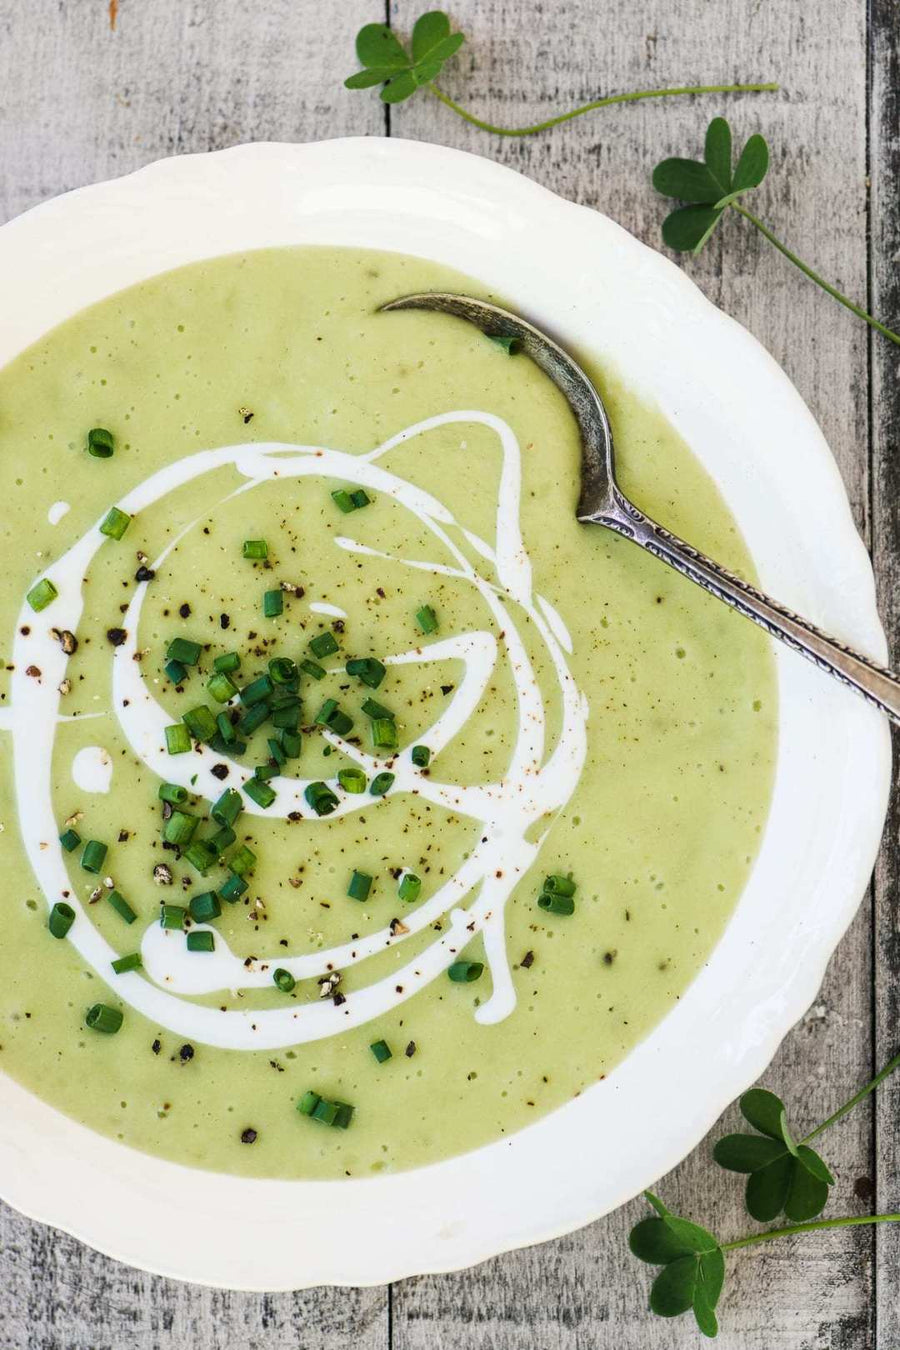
[876, 683]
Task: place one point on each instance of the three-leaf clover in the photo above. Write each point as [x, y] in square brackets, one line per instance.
[693, 1266]
[783, 1175]
[709, 185]
[387, 62]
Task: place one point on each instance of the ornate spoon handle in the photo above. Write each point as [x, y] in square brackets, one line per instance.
[876, 684]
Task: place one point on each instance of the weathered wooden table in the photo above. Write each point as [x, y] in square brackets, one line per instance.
[89, 90]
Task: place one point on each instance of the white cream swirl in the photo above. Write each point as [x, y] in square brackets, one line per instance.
[534, 787]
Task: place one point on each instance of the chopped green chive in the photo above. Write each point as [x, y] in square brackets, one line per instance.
[308, 1103]
[276, 751]
[372, 708]
[558, 885]
[200, 722]
[179, 828]
[256, 691]
[320, 798]
[232, 889]
[323, 645]
[228, 663]
[344, 1115]
[176, 672]
[172, 916]
[381, 784]
[360, 885]
[229, 806]
[123, 964]
[222, 839]
[381, 1050]
[291, 743]
[282, 670]
[273, 603]
[259, 792]
[62, 916]
[202, 855]
[221, 687]
[421, 756]
[352, 780]
[100, 443]
[70, 839]
[286, 716]
[464, 972]
[255, 548]
[284, 980]
[368, 669]
[556, 904]
[183, 650]
[121, 906]
[178, 739]
[94, 856]
[331, 716]
[103, 1018]
[427, 619]
[254, 717]
[205, 907]
[40, 595]
[509, 344]
[324, 1111]
[338, 1114]
[264, 772]
[314, 669]
[201, 942]
[409, 888]
[384, 733]
[116, 523]
[173, 793]
[226, 728]
[350, 501]
[242, 860]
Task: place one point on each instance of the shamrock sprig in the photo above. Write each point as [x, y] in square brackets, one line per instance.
[710, 187]
[387, 62]
[781, 1175]
[401, 73]
[693, 1265]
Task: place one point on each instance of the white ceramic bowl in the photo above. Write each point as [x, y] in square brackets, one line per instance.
[588, 281]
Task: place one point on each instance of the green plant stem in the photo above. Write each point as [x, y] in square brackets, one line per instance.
[849, 1221]
[820, 281]
[633, 97]
[888, 1069]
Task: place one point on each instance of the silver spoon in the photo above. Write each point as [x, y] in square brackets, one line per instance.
[602, 502]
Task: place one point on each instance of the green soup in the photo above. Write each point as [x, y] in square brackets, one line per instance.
[363, 921]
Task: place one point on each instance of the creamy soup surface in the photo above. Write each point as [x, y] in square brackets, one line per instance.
[341, 952]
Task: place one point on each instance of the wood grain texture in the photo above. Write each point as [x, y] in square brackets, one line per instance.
[885, 404]
[79, 102]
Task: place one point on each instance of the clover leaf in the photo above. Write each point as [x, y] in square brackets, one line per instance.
[781, 1174]
[693, 1266]
[709, 186]
[386, 61]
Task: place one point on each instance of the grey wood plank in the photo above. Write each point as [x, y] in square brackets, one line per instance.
[78, 103]
[525, 61]
[885, 298]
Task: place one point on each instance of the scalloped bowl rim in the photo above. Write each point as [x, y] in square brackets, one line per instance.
[583, 277]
